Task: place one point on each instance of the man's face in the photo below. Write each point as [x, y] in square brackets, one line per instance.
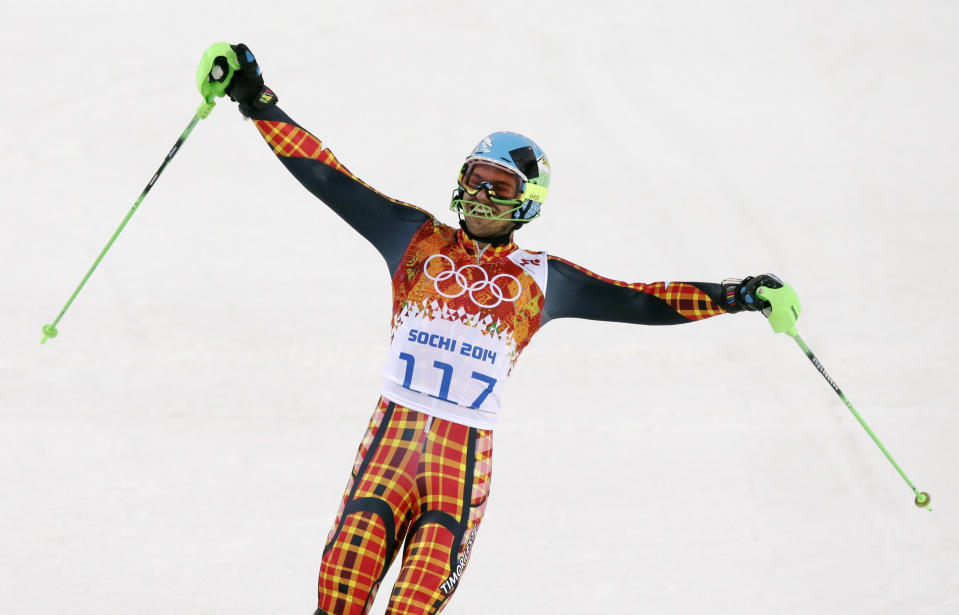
[497, 177]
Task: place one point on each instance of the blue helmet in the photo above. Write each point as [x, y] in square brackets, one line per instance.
[521, 156]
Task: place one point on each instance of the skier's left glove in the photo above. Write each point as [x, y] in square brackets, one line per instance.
[740, 295]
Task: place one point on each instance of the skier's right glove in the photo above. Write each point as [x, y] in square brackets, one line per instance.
[246, 86]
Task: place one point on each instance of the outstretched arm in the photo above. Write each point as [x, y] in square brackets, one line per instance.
[387, 223]
[574, 292]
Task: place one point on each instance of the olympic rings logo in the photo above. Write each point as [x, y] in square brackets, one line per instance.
[470, 288]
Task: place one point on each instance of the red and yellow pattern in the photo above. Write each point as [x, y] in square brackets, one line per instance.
[428, 478]
[291, 141]
[687, 300]
[517, 320]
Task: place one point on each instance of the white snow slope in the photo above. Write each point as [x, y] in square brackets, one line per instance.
[182, 446]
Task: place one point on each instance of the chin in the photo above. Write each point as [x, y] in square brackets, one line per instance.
[483, 229]
[477, 229]
[483, 232]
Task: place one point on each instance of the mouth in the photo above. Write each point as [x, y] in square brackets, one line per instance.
[480, 211]
[476, 223]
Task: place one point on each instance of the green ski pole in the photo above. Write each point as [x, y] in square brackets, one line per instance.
[782, 318]
[213, 75]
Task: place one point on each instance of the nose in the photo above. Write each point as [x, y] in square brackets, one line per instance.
[482, 192]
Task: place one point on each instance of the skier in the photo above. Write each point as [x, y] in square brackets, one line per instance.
[466, 302]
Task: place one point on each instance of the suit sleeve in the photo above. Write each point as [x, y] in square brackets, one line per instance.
[574, 292]
[386, 223]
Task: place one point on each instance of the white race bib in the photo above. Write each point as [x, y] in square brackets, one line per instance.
[448, 369]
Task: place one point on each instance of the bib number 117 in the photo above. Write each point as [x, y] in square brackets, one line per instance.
[446, 380]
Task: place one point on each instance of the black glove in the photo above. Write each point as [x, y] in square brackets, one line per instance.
[246, 87]
[741, 294]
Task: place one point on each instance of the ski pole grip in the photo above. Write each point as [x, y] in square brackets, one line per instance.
[784, 306]
[215, 71]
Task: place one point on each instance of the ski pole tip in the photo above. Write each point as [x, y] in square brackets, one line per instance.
[49, 332]
[923, 500]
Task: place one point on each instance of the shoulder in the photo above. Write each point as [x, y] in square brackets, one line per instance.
[533, 263]
[433, 235]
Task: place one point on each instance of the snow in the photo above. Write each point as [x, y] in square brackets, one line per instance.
[183, 444]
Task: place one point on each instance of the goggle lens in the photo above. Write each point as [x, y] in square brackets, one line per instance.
[500, 184]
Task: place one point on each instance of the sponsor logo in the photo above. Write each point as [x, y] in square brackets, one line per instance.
[500, 286]
[450, 584]
[528, 261]
[822, 370]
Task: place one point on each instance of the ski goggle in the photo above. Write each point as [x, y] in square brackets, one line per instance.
[503, 185]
